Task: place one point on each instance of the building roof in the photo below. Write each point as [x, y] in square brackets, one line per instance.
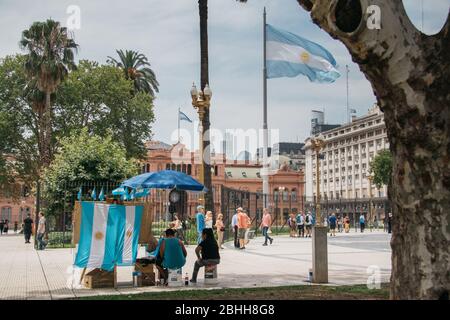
[157, 145]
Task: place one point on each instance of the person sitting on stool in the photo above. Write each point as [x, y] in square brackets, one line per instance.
[172, 253]
[207, 253]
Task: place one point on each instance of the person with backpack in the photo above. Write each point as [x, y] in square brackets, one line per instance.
[300, 219]
[308, 224]
[362, 222]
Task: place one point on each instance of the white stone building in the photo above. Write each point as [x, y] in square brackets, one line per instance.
[347, 154]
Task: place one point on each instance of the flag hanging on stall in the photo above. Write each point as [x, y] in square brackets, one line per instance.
[289, 55]
[109, 235]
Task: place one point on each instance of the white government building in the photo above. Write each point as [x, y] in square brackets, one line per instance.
[344, 167]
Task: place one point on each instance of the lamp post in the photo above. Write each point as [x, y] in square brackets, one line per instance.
[201, 101]
[370, 178]
[319, 239]
[317, 144]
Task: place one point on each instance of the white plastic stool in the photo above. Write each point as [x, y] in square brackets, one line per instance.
[175, 277]
[211, 274]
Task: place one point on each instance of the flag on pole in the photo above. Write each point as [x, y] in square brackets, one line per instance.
[101, 196]
[108, 235]
[79, 194]
[118, 191]
[94, 195]
[289, 55]
[183, 116]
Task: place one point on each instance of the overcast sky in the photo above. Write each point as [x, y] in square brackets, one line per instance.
[167, 32]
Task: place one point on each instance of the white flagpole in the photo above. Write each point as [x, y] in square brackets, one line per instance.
[348, 106]
[178, 125]
[265, 126]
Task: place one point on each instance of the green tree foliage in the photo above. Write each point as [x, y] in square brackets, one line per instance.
[50, 57]
[101, 99]
[381, 166]
[135, 67]
[81, 158]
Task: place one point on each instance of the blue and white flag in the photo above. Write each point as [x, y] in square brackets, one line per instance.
[141, 192]
[109, 235]
[118, 191]
[289, 55]
[184, 117]
[79, 194]
[94, 195]
[101, 196]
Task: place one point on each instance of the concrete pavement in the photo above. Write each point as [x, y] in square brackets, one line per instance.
[29, 274]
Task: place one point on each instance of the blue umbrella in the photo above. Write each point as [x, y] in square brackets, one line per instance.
[166, 179]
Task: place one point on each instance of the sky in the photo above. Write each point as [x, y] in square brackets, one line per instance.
[167, 32]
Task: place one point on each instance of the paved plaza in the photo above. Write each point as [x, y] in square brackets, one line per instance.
[29, 274]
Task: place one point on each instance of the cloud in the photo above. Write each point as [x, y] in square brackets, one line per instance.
[168, 33]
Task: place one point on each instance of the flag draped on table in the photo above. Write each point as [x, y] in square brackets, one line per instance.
[109, 235]
[289, 55]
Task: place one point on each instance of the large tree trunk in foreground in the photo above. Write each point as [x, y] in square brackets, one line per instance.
[409, 73]
[204, 80]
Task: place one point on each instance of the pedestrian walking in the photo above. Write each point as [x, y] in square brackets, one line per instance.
[390, 222]
[362, 222]
[347, 224]
[220, 228]
[242, 223]
[248, 227]
[292, 223]
[2, 224]
[200, 219]
[27, 228]
[209, 220]
[16, 226]
[265, 226]
[332, 221]
[6, 227]
[308, 224]
[234, 227]
[178, 227]
[300, 220]
[340, 224]
[41, 232]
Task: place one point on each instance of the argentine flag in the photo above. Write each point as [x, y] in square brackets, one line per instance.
[289, 55]
[109, 235]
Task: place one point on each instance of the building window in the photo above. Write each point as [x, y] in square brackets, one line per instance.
[189, 169]
[148, 167]
[6, 213]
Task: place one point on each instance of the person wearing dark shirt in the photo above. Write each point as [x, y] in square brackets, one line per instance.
[2, 224]
[27, 228]
[332, 221]
[207, 252]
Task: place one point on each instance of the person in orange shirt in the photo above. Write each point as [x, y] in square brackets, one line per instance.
[265, 225]
[242, 223]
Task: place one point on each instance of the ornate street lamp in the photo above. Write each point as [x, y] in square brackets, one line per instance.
[317, 143]
[201, 101]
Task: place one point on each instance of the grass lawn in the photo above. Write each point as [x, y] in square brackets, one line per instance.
[356, 292]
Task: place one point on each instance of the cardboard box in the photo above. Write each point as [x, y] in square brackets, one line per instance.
[98, 278]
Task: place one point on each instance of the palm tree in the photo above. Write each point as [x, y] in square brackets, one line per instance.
[136, 67]
[204, 80]
[49, 59]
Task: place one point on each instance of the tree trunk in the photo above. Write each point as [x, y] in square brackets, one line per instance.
[204, 80]
[46, 132]
[409, 73]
